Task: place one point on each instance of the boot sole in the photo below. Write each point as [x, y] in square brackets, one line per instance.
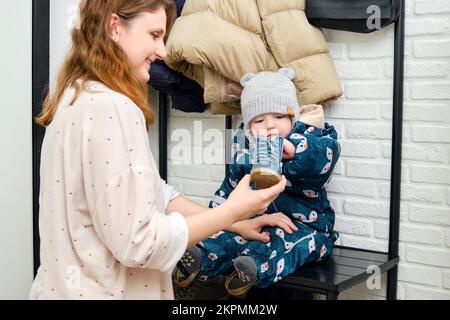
[264, 178]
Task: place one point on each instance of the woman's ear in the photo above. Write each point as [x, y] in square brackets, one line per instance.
[287, 72]
[246, 78]
[115, 27]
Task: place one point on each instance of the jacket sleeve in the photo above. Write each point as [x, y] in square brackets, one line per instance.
[127, 198]
[315, 156]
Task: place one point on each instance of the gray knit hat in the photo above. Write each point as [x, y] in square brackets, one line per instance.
[269, 92]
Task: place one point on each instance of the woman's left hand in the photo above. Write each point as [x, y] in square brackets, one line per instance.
[251, 229]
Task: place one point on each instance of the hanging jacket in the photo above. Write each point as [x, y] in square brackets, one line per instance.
[180, 5]
[216, 42]
[186, 94]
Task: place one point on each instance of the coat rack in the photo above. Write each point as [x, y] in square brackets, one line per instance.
[390, 263]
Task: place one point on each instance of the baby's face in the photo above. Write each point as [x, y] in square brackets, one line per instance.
[270, 124]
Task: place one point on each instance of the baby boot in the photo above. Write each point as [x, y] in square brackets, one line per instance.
[267, 155]
[188, 267]
[243, 278]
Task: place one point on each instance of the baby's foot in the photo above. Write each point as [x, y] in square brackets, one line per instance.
[241, 280]
[188, 267]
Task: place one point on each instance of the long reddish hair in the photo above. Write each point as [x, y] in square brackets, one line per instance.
[95, 56]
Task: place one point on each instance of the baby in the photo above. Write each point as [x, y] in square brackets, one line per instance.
[309, 154]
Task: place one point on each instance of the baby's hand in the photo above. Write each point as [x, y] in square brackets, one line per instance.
[288, 150]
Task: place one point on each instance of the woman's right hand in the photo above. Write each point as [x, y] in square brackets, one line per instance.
[245, 202]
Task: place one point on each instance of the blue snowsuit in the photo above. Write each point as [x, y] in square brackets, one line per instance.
[304, 201]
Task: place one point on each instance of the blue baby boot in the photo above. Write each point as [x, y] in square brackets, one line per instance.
[267, 156]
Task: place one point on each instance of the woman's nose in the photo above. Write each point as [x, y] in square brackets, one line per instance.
[161, 52]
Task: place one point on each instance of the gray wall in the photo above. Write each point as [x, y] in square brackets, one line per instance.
[16, 202]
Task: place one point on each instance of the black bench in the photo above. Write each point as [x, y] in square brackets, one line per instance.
[346, 268]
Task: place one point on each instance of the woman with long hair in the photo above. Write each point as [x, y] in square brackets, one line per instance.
[110, 227]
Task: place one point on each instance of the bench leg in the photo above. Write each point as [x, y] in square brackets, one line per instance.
[332, 295]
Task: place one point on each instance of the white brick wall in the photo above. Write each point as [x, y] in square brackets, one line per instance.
[359, 191]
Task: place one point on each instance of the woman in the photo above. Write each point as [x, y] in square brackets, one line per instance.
[110, 227]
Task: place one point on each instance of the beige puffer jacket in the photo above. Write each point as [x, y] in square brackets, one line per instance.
[216, 42]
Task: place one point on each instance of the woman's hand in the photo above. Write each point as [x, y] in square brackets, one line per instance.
[288, 150]
[241, 204]
[251, 229]
[245, 202]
